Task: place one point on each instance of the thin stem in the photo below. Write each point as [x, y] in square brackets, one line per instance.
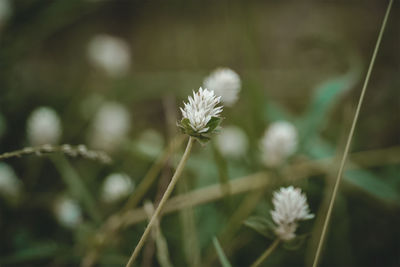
[350, 137]
[266, 253]
[73, 151]
[165, 197]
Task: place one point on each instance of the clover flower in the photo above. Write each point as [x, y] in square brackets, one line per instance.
[43, 126]
[110, 126]
[290, 206]
[232, 142]
[278, 143]
[110, 53]
[10, 186]
[116, 186]
[68, 212]
[201, 116]
[225, 83]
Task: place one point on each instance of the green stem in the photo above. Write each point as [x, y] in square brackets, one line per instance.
[165, 197]
[266, 253]
[350, 137]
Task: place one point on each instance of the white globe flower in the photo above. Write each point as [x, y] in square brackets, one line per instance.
[43, 126]
[68, 212]
[232, 142]
[110, 126]
[110, 53]
[290, 206]
[10, 185]
[116, 186]
[200, 110]
[225, 83]
[278, 143]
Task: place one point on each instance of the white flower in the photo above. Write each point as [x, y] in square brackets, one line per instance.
[116, 186]
[10, 186]
[68, 212]
[232, 142]
[43, 126]
[200, 109]
[278, 143]
[290, 206]
[110, 53]
[111, 124]
[225, 83]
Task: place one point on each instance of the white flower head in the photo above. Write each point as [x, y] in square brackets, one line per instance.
[68, 212]
[201, 115]
[10, 186]
[44, 126]
[232, 142]
[278, 143]
[225, 83]
[290, 207]
[111, 125]
[110, 53]
[116, 186]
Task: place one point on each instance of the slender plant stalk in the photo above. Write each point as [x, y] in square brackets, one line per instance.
[266, 253]
[72, 151]
[165, 197]
[260, 180]
[350, 137]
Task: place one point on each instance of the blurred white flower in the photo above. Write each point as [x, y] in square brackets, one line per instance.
[10, 186]
[200, 109]
[68, 212]
[110, 53]
[232, 142]
[116, 186]
[290, 206]
[150, 143]
[43, 126]
[5, 11]
[278, 143]
[111, 124]
[225, 83]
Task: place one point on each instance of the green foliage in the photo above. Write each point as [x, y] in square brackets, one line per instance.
[221, 255]
[261, 225]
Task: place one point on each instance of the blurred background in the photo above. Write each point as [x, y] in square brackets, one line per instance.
[112, 75]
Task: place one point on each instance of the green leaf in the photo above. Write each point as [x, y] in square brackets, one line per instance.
[372, 184]
[202, 139]
[37, 251]
[213, 123]
[362, 179]
[261, 225]
[221, 255]
[326, 95]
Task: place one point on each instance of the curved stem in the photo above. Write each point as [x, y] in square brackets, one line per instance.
[350, 137]
[265, 255]
[165, 197]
